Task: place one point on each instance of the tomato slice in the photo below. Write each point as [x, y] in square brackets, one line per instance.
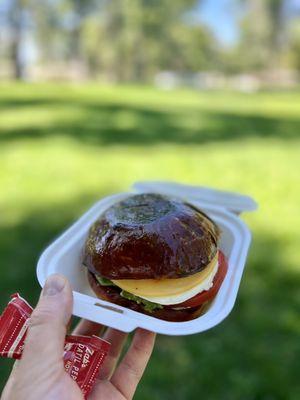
[206, 295]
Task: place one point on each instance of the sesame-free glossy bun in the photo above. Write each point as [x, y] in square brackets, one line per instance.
[150, 236]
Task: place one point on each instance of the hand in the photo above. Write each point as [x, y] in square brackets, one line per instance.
[40, 373]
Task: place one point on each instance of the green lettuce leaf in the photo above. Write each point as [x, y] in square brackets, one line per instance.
[148, 305]
[104, 281]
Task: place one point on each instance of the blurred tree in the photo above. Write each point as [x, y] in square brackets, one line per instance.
[58, 28]
[17, 24]
[48, 17]
[263, 34]
[295, 44]
[278, 30]
[44, 19]
[196, 49]
[79, 10]
[132, 40]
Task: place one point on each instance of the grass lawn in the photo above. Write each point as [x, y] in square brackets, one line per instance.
[62, 147]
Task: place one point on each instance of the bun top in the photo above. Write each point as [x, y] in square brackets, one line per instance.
[150, 236]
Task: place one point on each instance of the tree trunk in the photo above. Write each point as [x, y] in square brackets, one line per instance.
[76, 43]
[17, 27]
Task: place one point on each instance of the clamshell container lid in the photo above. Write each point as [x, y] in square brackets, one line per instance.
[64, 256]
[234, 202]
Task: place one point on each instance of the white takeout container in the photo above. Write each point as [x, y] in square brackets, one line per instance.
[64, 256]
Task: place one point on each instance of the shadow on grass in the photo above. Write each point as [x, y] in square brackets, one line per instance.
[254, 354]
[99, 123]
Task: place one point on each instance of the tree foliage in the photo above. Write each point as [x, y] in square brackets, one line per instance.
[132, 40]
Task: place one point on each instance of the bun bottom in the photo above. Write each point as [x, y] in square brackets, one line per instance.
[112, 294]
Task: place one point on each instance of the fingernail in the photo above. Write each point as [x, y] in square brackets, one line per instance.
[54, 285]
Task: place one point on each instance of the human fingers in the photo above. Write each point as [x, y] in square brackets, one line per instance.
[131, 369]
[117, 340]
[87, 328]
[45, 339]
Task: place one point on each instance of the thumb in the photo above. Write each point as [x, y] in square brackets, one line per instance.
[45, 339]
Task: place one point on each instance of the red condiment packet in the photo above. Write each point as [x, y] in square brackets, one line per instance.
[83, 358]
[83, 355]
[13, 327]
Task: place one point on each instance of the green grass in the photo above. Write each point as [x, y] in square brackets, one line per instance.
[62, 147]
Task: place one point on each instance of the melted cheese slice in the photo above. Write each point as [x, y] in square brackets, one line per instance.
[171, 291]
[206, 284]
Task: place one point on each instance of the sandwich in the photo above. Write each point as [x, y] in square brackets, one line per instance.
[157, 255]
